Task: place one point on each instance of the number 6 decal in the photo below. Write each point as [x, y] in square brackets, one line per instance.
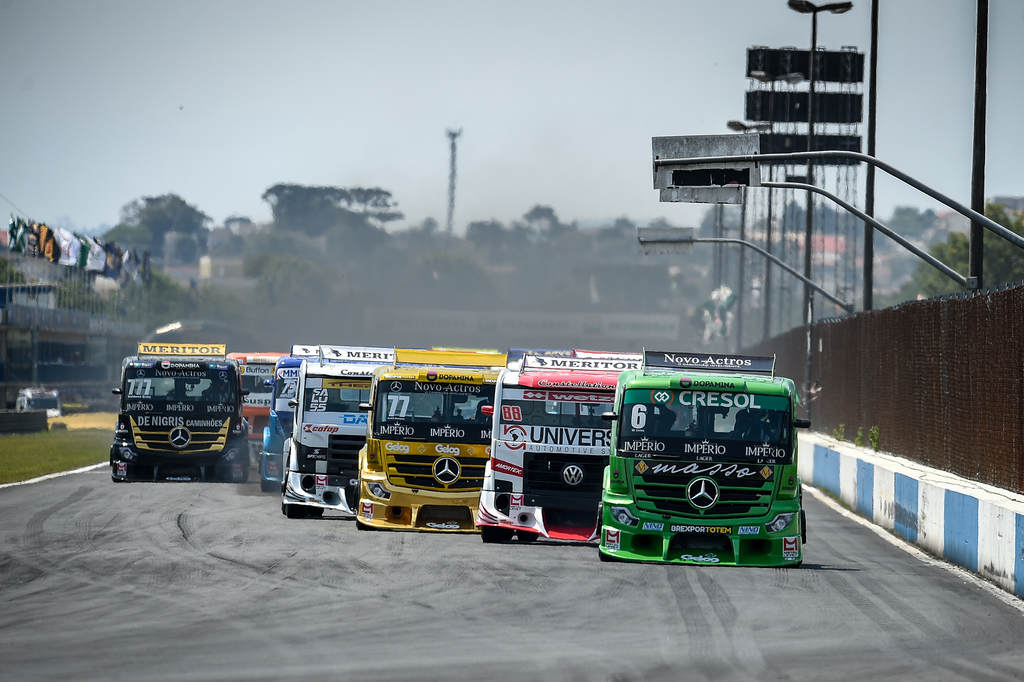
[638, 417]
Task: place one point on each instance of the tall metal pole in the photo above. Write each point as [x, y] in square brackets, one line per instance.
[453, 135]
[768, 225]
[809, 218]
[975, 265]
[742, 275]
[869, 200]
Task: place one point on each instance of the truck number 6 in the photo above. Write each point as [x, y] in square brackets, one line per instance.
[638, 417]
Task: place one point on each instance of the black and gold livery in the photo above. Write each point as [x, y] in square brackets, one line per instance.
[180, 417]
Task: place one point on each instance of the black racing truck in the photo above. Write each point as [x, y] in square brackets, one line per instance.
[180, 417]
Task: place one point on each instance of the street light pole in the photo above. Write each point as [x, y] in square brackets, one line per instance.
[869, 199]
[809, 214]
[805, 7]
[683, 236]
[976, 251]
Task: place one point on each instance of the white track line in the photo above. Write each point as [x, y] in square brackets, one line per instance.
[960, 572]
[47, 477]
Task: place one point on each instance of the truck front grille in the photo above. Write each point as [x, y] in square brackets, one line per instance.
[343, 452]
[417, 471]
[666, 493]
[546, 472]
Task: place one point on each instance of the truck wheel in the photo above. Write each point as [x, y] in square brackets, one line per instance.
[268, 486]
[492, 534]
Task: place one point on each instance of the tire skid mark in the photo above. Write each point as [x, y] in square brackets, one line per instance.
[743, 643]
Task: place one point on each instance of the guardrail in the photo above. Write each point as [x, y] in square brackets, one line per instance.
[23, 422]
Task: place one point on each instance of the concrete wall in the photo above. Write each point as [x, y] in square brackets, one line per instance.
[973, 525]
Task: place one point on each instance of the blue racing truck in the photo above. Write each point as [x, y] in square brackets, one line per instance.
[279, 426]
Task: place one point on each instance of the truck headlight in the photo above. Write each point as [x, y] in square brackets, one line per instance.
[779, 522]
[624, 516]
[377, 490]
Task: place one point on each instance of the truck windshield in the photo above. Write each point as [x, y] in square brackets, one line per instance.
[284, 387]
[43, 403]
[554, 408]
[335, 395]
[705, 426]
[254, 376]
[184, 385]
[413, 401]
[440, 412]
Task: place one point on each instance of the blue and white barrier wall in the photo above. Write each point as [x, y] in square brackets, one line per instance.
[976, 526]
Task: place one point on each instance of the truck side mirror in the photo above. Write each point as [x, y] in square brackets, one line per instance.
[802, 423]
[487, 410]
[116, 390]
[609, 416]
[365, 407]
[293, 403]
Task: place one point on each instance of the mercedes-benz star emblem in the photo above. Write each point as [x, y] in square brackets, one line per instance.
[396, 386]
[447, 470]
[572, 474]
[179, 437]
[702, 492]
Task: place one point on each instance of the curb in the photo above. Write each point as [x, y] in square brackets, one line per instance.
[975, 526]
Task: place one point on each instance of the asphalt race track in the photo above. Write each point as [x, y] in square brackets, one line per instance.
[210, 582]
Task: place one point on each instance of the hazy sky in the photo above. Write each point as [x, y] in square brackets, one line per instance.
[103, 102]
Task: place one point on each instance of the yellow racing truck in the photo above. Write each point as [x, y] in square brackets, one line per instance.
[428, 440]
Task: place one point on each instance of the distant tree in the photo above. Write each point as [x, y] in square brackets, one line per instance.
[911, 222]
[145, 222]
[358, 212]
[544, 221]
[1003, 261]
[487, 235]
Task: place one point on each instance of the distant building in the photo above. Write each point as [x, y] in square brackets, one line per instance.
[1015, 204]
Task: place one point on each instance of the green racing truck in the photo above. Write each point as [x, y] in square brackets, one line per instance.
[703, 465]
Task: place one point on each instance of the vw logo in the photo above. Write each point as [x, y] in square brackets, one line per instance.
[572, 474]
[396, 386]
[702, 493]
[447, 470]
[179, 437]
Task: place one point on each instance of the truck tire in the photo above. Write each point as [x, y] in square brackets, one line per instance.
[491, 534]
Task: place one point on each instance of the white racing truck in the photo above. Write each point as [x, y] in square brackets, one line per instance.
[322, 456]
[550, 447]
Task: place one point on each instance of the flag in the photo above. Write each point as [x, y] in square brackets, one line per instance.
[17, 233]
[69, 247]
[97, 257]
[84, 245]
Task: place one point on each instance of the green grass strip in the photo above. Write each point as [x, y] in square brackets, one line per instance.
[27, 455]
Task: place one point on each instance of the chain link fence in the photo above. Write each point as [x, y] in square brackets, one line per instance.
[942, 380]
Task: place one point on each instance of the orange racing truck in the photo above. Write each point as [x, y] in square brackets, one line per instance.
[257, 371]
